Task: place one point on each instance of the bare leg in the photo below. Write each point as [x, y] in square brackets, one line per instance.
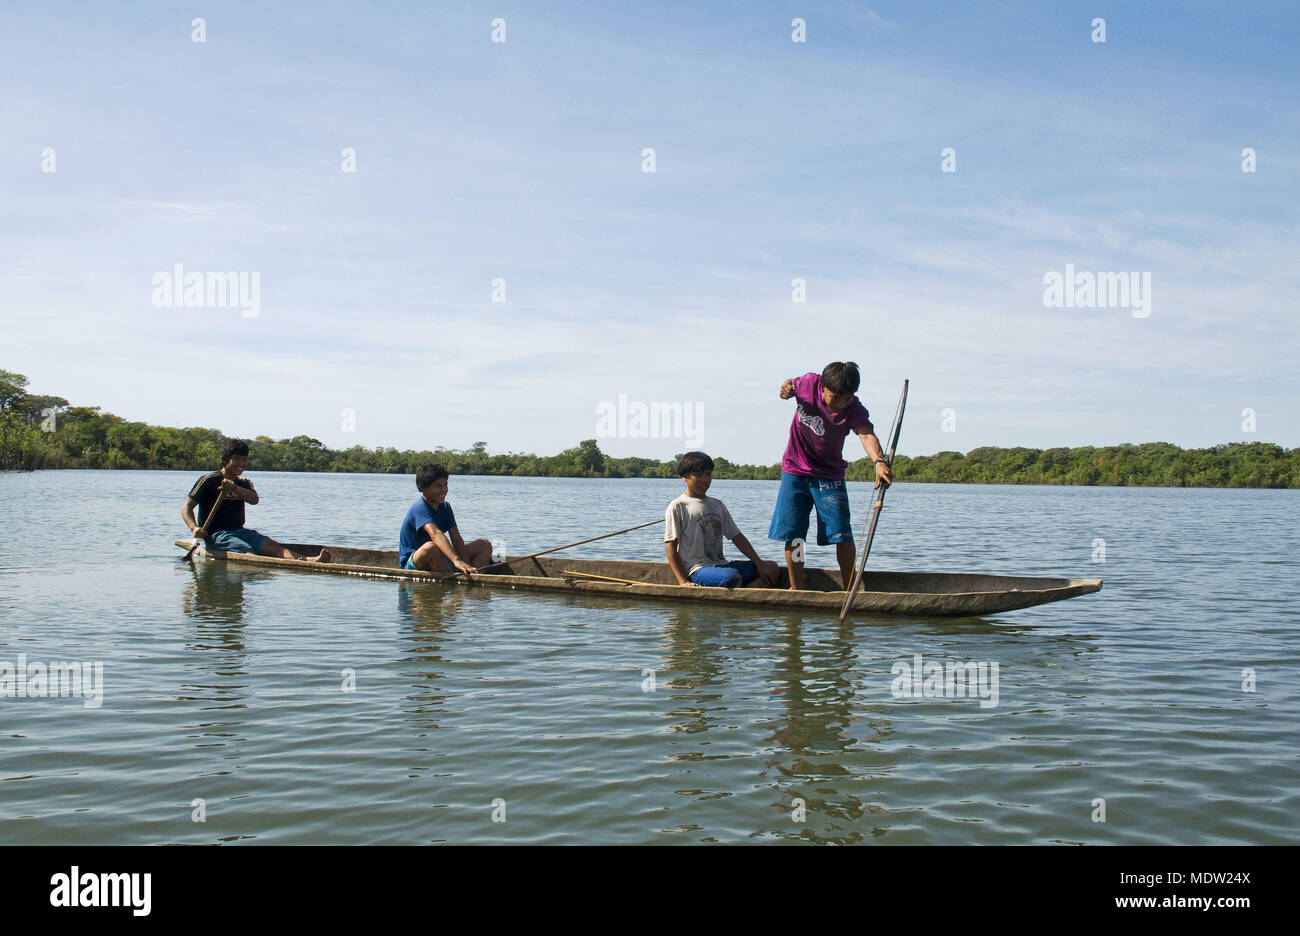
[270, 547]
[478, 553]
[430, 558]
[764, 581]
[796, 568]
[846, 553]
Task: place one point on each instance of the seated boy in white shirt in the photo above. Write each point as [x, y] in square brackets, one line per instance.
[694, 527]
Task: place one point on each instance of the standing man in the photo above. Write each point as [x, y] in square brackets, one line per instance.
[430, 539]
[812, 471]
[227, 530]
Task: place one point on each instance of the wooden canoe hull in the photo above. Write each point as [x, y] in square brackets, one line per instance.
[921, 594]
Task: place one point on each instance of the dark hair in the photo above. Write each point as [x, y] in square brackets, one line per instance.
[694, 463]
[841, 377]
[233, 447]
[427, 474]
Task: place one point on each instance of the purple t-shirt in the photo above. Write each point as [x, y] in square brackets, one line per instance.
[816, 447]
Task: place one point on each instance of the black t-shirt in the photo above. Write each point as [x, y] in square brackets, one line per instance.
[231, 514]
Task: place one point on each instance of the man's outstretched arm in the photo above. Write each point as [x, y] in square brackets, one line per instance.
[872, 447]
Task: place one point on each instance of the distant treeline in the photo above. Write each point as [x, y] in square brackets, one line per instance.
[45, 432]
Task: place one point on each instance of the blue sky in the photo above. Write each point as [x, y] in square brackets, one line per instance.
[775, 160]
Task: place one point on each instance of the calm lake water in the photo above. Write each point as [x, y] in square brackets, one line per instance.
[226, 686]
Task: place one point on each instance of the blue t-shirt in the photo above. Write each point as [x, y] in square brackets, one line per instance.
[413, 535]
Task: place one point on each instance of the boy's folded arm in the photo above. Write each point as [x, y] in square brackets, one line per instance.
[745, 547]
[440, 541]
[763, 566]
[457, 541]
[675, 563]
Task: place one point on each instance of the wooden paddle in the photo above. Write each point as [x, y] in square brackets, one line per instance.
[870, 530]
[565, 546]
[203, 530]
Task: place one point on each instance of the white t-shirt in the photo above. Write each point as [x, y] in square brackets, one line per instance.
[698, 524]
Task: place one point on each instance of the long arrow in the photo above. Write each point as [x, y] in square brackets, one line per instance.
[876, 507]
[565, 546]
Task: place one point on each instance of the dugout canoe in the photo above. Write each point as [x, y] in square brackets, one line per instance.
[910, 593]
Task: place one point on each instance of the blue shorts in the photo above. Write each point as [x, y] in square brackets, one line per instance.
[240, 541]
[726, 575]
[797, 496]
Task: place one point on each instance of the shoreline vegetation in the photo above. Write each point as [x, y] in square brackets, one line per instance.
[44, 432]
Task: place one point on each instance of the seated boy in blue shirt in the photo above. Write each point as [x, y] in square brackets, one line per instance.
[430, 539]
[694, 527]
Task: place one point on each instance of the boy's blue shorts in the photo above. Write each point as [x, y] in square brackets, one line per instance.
[241, 540]
[726, 575]
[797, 496]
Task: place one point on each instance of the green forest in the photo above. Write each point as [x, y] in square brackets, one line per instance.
[46, 432]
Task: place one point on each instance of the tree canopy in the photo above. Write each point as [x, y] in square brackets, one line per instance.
[39, 431]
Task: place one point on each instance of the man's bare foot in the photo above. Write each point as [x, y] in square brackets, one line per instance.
[324, 556]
